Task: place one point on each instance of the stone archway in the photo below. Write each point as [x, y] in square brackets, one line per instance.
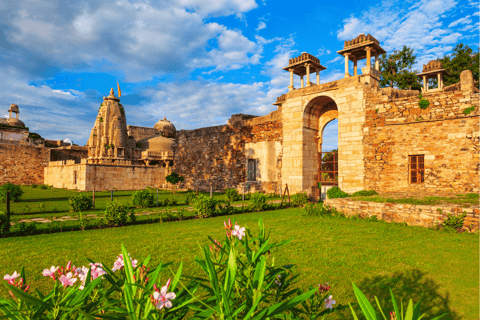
[318, 112]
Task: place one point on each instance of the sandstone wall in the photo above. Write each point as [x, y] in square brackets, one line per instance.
[22, 164]
[217, 156]
[139, 133]
[448, 139]
[418, 215]
[69, 153]
[68, 174]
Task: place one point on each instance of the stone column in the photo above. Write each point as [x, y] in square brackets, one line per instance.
[377, 62]
[301, 81]
[318, 76]
[355, 67]
[307, 66]
[290, 88]
[369, 57]
[425, 84]
[439, 80]
[347, 74]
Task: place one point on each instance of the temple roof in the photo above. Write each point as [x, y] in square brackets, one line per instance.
[432, 68]
[298, 64]
[356, 47]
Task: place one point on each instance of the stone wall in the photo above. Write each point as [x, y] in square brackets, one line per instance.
[139, 133]
[83, 176]
[448, 139]
[216, 156]
[418, 215]
[75, 153]
[22, 164]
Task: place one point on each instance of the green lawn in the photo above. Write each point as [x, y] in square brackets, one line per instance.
[438, 268]
[464, 200]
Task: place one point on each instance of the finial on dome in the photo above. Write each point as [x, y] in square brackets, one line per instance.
[112, 93]
[164, 118]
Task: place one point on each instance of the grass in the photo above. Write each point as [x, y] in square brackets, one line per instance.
[464, 200]
[438, 268]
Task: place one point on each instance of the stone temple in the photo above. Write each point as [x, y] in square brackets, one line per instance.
[386, 141]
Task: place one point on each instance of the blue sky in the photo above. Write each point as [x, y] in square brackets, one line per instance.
[196, 62]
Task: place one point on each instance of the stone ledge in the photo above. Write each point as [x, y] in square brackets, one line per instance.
[417, 215]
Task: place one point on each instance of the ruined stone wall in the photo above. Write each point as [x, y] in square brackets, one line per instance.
[139, 133]
[69, 153]
[83, 176]
[216, 155]
[22, 164]
[448, 139]
[417, 215]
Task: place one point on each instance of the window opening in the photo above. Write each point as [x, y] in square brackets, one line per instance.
[74, 177]
[417, 168]
[251, 170]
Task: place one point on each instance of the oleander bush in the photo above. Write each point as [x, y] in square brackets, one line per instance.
[143, 199]
[81, 202]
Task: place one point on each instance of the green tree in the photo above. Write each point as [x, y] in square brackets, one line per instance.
[396, 70]
[462, 58]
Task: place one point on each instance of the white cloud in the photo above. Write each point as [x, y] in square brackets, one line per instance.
[465, 20]
[261, 25]
[337, 58]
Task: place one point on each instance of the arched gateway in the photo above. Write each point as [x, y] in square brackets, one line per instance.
[306, 111]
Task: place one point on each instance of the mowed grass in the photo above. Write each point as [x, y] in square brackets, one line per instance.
[438, 268]
[464, 200]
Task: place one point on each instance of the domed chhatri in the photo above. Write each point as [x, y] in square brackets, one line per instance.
[14, 121]
[166, 128]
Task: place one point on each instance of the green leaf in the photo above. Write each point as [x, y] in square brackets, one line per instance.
[127, 264]
[394, 302]
[177, 277]
[154, 277]
[366, 307]
[20, 294]
[409, 313]
[283, 306]
[129, 300]
[416, 311]
[379, 307]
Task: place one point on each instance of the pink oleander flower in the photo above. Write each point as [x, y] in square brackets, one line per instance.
[118, 264]
[277, 281]
[50, 273]
[11, 278]
[238, 232]
[162, 299]
[393, 316]
[323, 287]
[329, 302]
[228, 227]
[68, 280]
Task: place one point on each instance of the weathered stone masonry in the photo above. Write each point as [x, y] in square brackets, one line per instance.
[216, 156]
[396, 128]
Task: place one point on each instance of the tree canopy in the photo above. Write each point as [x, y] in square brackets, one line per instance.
[396, 69]
[462, 58]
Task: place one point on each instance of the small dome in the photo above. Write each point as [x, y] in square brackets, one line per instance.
[166, 127]
[15, 122]
[13, 108]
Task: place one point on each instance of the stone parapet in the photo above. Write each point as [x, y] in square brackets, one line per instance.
[416, 215]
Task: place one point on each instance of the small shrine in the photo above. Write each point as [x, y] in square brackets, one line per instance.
[15, 122]
[362, 47]
[433, 69]
[303, 65]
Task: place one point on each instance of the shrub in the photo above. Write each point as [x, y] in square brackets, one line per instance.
[300, 199]
[423, 103]
[34, 186]
[4, 224]
[364, 193]
[258, 201]
[204, 206]
[321, 210]
[15, 192]
[81, 202]
[43, 186]
[335, 192]
[174, 178]
[454, 222]
[469, 110]
[232, 195]
[27, 228]
[116, 214]
[143, 199]
[190, 197]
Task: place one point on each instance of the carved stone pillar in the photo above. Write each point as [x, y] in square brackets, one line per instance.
[290, 88]
[307, 66]
[355, 67]
[425, 84]
[347, 74]
[439, 80]
[377, 62]
[318, 77]
[301, 81]
[369, 57]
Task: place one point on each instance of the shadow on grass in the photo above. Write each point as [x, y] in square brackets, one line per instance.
[411, 284]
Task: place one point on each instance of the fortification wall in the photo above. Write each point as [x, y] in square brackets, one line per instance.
[69, 153]
[217, 156]
[447, 138]
[22, 164]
